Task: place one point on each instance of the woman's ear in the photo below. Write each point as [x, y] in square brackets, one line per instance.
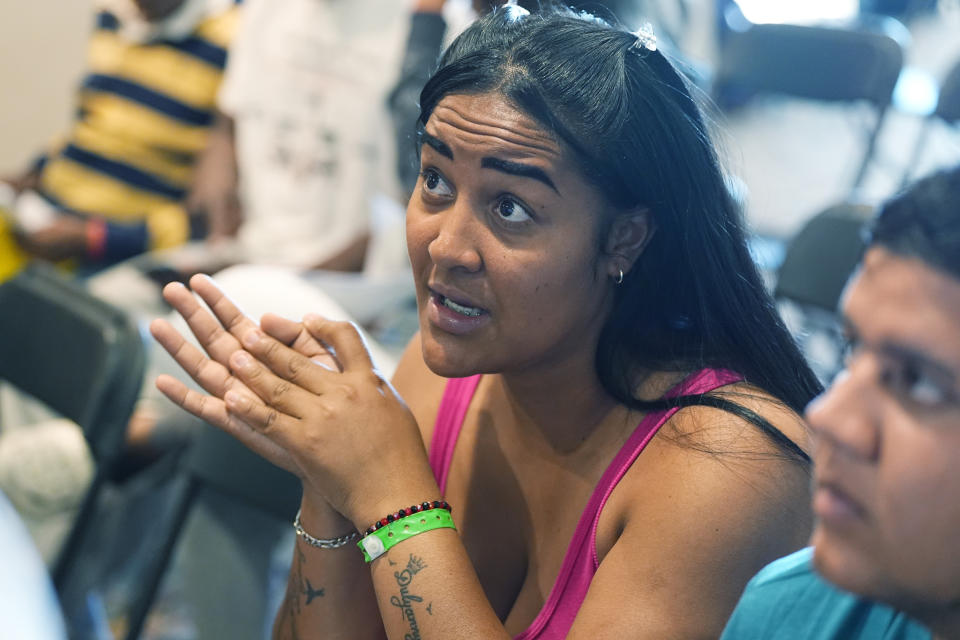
[628, 236]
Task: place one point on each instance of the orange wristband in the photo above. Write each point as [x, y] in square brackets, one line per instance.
[96, 231]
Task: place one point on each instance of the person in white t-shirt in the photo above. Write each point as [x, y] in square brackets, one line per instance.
[303, 149]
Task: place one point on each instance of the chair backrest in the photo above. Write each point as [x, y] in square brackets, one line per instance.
[831, 64]
[819, 63]
[821, 257]
[948, 105]
[78, 355]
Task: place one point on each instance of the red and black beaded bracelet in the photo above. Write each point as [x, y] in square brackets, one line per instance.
[403, 513]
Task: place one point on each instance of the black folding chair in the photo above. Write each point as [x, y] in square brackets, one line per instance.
[82, 358]
[214, 461]
[837, 65]
[947, 111]
[818, 262]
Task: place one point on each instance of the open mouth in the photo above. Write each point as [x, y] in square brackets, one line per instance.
[462, 309]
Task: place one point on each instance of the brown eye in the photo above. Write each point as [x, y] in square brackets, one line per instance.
[510, 210]
[434, 184]
[911, 383]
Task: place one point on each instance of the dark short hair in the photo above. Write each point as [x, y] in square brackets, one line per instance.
[924, 222]
[694, 298]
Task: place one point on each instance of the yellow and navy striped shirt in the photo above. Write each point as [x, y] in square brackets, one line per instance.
[143, 116]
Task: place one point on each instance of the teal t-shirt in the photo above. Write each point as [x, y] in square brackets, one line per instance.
[788, 600]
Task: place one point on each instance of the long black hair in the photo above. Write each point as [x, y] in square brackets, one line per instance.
[694, 298]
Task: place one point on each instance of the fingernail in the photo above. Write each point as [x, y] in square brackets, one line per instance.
[236, 400]
[252, 337]
[242, 359]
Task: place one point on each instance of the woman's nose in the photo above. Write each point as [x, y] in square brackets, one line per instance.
[456, 243]
[846, 415]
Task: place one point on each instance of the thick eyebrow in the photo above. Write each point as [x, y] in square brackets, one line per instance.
[518, 169]
[904, 352]
[436, 144]
[505, 166]
[919, 358]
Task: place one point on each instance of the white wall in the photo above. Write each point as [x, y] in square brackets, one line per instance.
[42, 49]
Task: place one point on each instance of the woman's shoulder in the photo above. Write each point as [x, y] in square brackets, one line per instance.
[713, 465]
[707, 454]
[719, 412]
[726, 422]
[712, 500]
[726, 455]
[419, 387]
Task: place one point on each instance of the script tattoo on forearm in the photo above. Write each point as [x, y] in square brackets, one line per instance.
[405, 600]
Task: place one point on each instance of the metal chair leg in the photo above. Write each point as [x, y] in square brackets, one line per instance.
[143, 601]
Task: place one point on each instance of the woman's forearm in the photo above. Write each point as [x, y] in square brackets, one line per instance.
[427, 590]
[329, 591]
[423, 588]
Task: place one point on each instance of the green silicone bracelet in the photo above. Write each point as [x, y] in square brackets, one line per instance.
[376, 544]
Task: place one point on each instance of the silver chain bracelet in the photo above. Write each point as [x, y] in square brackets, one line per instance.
[320, 543]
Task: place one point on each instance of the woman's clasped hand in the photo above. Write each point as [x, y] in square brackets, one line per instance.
[305, 396]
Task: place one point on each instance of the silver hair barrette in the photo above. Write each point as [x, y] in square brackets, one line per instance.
[646, 38]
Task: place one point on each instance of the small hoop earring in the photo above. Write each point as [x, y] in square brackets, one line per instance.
[619, 278]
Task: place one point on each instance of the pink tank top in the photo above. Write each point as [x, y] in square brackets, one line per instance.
[580, 562]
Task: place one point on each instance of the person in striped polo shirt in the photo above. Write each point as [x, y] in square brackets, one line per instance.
[116, 182]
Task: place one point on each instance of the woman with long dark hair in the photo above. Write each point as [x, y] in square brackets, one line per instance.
[585, 297]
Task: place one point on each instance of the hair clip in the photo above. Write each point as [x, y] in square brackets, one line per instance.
[646, 38]
[514, 10]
